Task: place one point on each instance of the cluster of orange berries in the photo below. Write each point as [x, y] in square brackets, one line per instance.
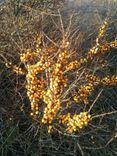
[76, 64]
[97, 49]
[18, 70]
[76, 98]
[102, 30]
[35, 89]
[93, 79]
[113, 44]
[52, 95]
[52, 106]
[26, 57]
[108, 80]
[85, 91]
[50, 129]
[102, 49]
[35, 86]
[77, 121]
[72, 65]
[15, 69]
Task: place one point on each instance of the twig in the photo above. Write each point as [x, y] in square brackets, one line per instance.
[104, 114]
[95, 100]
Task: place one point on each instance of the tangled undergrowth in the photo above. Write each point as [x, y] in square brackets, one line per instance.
[58, 78]
[60, 85]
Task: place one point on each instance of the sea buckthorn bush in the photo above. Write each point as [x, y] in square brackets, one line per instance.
[54, 93]
[58, 79]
